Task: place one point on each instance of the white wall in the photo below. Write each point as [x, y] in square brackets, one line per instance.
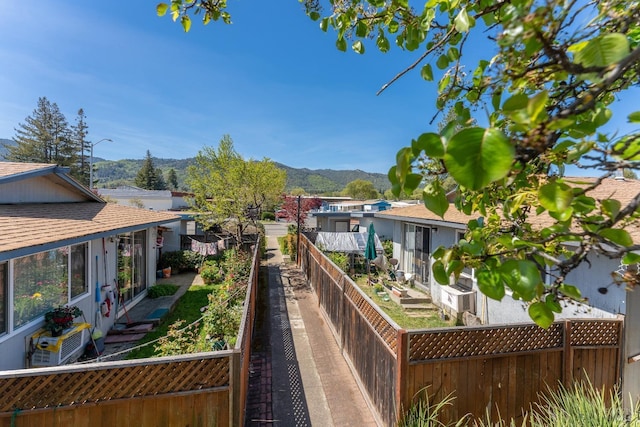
[14, 346]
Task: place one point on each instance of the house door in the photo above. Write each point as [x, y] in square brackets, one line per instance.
[416, 252]
[422, 254]
[132, 264]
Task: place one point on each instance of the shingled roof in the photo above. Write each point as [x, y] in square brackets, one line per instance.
[623, 190]
[32, 227]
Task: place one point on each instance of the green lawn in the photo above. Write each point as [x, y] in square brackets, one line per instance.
[430, 319]
[187, 308]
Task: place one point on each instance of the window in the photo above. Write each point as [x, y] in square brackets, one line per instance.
[4, 290]
[47, 279]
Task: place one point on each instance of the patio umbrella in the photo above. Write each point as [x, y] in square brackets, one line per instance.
[370, 249]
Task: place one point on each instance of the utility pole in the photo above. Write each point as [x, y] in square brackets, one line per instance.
[298, 242]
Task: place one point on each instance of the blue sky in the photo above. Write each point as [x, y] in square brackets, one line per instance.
[272, 81]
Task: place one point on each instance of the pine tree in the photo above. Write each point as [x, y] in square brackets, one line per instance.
[148, 176]
[172, 179]
[44, 137]
[79, 133]
[160, 183]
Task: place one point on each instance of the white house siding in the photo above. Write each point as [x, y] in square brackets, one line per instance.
[38, 189]
[16, 342]
[596, 274]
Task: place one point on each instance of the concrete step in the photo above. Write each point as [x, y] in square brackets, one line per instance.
[419, 307]
[415, 300]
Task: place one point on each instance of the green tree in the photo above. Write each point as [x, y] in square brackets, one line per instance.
[544, 76]
[172, 179]
[229, 190]
[360, 189]
[149, 177]
[44, 137]
[79, 132]
[298, 191]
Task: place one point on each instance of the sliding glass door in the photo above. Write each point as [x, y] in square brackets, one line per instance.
[132, 264]
[416, 252]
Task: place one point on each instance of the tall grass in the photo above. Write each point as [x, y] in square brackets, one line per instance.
[581, 405]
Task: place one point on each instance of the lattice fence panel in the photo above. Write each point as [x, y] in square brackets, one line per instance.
[90, 385]
[460, 342]
[596, 332]
[386, 330]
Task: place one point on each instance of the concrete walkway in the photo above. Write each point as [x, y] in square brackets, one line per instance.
[299, 376]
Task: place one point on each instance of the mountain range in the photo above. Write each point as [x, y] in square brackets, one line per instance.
[114, 173]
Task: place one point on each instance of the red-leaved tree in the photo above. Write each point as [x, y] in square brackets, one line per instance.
[289, 207]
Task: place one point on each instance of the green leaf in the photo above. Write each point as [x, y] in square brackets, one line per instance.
[541, 314]
[442, 62]
[314, 15]
[411, 182]
[603, 50]
[403, 162]
[358, 47]
[186, 23]
[453, 53]
[631, 258]
[490, 283]
[570, 291]
[162, 8]
[552, 304]
[476, 156]
[341, 44]
[611, 207]
[439, 273]
[427, 73]
[495, 99]
[617, 235]
[555, 196]
[522, 276]
[536, 106]
[324, 24]
[361, 29]
[383, 43]
[461, 21]
[431, 144]
[634, 117]
[393, 175]
[516, 102]
[435, 199]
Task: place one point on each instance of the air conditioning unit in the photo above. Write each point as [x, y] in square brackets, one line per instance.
[54, 351]
[458, 299]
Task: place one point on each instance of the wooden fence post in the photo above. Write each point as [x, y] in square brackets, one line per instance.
[402, 365]
[567, 359]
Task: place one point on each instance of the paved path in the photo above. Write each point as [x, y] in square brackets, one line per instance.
[299, 377]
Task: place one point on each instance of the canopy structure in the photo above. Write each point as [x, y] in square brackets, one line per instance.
[348, 242]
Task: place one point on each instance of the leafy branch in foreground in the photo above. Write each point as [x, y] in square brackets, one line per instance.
[532, 84]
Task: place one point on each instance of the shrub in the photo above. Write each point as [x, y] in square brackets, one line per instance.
[340, 259]
[181, 261]
[211, 272]
[268, 216]
[192, 260]
[162, 290]
[387, 245]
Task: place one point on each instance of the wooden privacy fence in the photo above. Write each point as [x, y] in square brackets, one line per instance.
[498, 370]
[202, 389]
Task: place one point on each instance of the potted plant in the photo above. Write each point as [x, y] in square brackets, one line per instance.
[60, 318]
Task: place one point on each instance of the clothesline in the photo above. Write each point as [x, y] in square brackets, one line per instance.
[211, 248]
